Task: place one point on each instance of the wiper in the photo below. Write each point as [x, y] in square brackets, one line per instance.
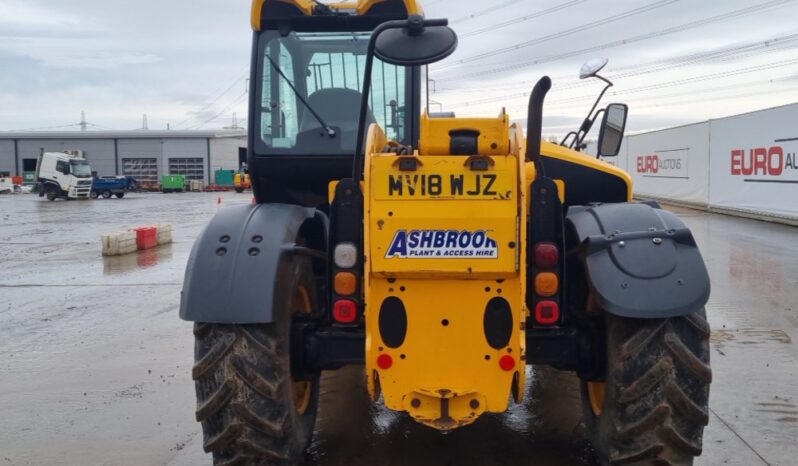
[330, 131]
[323, 8]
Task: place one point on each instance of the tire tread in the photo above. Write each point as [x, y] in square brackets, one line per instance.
[240, 396]
[658, 379]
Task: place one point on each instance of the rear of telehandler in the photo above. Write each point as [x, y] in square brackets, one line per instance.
[442, 254]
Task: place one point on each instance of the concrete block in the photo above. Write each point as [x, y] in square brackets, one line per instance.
[164, 233]
[119, 243]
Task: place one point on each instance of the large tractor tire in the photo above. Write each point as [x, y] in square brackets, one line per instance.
[652, 407]
[251, 409]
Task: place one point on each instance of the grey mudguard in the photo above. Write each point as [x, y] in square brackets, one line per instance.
[640, 261]
[236, 263]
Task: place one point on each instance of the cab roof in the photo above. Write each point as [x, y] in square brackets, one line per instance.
[266, 12]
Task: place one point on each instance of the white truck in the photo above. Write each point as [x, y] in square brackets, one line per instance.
[63, 175]
[7, 184]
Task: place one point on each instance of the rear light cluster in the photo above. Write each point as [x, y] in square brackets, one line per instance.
[345, 280]
[345, 283]
[547, 283]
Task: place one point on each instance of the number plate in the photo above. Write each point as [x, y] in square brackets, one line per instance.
[444, 185]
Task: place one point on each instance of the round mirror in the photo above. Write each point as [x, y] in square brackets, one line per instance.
[592, 67]
[415, 47]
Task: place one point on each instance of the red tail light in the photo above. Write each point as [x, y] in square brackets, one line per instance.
[345, 311]
[547, 312]
[547, 255]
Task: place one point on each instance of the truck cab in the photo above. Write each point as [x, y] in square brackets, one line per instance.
[62, 175]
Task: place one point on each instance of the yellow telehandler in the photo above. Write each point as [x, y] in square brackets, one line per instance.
[441, 254]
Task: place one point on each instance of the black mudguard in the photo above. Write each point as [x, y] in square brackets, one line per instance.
[233, 272]
[640, 261]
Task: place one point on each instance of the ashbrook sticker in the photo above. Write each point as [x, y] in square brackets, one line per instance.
[445, 244]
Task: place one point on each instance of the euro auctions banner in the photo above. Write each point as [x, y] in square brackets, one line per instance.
[754, 162]
[671, 164]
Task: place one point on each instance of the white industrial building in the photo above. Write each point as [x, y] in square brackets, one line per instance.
[144, 154]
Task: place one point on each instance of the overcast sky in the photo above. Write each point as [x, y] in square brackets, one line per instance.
[185, 62]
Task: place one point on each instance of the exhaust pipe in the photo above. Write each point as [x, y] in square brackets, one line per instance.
[534, 122]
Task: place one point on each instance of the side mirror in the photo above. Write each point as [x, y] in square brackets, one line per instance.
[613, 128]
[592, 67]
[412, 42]
[419, 43]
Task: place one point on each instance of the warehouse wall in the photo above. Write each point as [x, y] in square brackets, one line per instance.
[224, 154]
[7, 158]
[99, 152]
[186, 148]
[141, 149]
[163, 150]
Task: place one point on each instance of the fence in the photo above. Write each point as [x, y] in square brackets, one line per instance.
[744, 164]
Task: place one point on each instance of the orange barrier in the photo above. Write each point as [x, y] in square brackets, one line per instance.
[146, 237]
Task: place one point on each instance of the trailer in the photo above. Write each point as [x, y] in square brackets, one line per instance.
[106, 187]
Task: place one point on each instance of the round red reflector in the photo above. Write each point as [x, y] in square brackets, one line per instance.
[547, 255]
[345, 311]
[384, 361]
[507, 363]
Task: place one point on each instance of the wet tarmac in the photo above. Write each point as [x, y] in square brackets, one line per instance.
[95, 365]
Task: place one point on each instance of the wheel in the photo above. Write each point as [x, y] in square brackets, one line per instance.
[652, 407]
[239, 190]
[251, 409]
[106, 194]
[51, 194]
[120, 195]
[94, 195]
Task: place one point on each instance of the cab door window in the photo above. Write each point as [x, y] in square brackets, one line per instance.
[62, 167]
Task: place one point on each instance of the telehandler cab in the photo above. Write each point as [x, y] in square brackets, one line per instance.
[442, 254]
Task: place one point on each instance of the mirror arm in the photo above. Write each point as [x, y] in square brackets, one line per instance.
[581, 135]
[565, 139]
[413, 24]
[357, 164]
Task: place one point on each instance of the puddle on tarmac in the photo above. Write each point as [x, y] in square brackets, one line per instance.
[118, 265]
[749, 336]
[545, 429]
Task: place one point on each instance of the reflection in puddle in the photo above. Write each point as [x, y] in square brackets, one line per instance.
[758, 272]
[544, 430]
[117, 265]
